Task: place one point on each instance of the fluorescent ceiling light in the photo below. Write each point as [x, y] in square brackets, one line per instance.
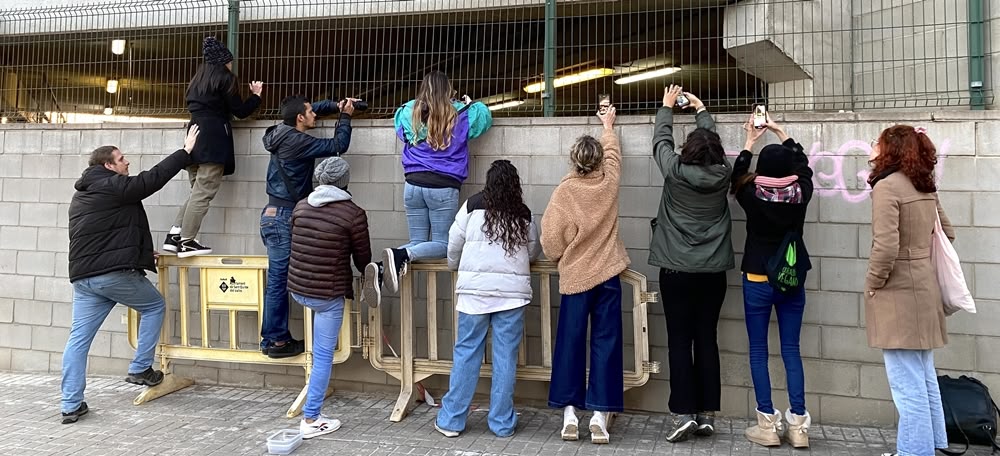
[505, 105]
[647, 75]
[117, 47]
[574, 78]
[112, 85]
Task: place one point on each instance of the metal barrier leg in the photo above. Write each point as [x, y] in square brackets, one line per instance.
[170, 384]
[296, 408]
[406, 342]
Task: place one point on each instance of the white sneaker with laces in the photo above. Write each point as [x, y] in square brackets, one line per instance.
[322, 425]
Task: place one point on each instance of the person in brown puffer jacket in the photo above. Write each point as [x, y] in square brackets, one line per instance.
[328, 232]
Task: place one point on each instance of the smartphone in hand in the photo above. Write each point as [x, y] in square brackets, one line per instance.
[759, 117]
[603, 103]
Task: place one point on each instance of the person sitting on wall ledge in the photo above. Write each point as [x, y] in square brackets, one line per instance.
[110, 247]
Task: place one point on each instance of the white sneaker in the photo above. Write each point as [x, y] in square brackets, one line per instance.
[322, 425]
[445, 432]
[570, 429]
[599, 428]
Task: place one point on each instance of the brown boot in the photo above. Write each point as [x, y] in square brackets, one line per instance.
[798, 429]
[767, 432]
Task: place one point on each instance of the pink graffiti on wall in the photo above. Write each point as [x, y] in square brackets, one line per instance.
[832, 169]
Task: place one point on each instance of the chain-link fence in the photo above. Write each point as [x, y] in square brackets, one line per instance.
[134, 58]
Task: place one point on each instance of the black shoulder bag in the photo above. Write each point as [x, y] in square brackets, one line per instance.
[786, 270]
[970, 415]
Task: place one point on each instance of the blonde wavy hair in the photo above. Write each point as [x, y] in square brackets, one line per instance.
[433, 110]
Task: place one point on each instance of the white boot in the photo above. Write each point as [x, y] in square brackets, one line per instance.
[798, 429]
[599, 428]
[767, 431]
[570, 429]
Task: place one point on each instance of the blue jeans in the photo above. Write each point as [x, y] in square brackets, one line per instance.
[276, 232]
[601, 306]
[507, 327]
[329, 314]
[758, 298]
[915, 392]
[429, 215]
[93, 299]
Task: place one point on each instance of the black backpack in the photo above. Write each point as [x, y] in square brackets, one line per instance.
[970, 415]
[786, 270]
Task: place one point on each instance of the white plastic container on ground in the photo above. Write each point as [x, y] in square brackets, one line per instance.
[284, 441]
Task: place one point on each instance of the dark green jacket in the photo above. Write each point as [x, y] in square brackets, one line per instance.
[693, 226]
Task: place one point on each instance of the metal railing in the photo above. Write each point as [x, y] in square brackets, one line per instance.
[526, 57]
[228, 284]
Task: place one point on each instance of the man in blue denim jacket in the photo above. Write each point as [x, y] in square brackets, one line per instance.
[289, 179]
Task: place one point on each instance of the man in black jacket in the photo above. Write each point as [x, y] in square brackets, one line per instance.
[289, 179]
[110, 248]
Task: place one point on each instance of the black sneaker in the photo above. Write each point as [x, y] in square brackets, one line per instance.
[148, 377]
[371, 285]
[72, 417]
[191, 247]
[172, 242]
[706, 424]
[290, 349]
[394, 266]
[686, 425]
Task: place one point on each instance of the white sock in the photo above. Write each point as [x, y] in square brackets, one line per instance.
[599, 419]
[569, 415]
[175, 230]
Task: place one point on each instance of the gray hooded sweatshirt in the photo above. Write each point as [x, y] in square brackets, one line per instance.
[326, 194]
[693, 229]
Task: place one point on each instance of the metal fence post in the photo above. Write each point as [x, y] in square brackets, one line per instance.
[549, 65]
[232, 37]
[977, 56]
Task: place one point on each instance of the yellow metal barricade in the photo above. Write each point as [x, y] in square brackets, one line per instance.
[230, 284]
[409, 369]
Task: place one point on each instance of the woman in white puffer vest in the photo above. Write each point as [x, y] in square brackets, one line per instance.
[492, 244]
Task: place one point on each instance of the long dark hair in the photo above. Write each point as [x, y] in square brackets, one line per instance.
[507, 217]
[703, 148]
[433, 109]
[211, 78]
[902, 148]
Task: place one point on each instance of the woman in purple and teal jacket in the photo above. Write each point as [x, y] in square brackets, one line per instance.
[435, 130]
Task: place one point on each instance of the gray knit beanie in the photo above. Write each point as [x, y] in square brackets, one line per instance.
[333, 171]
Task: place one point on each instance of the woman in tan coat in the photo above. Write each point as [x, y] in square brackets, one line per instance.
[580, 232]
[903, 308]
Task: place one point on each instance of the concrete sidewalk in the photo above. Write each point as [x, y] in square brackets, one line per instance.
[216, 420]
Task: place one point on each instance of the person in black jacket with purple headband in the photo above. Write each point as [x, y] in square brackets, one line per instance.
[775, 199]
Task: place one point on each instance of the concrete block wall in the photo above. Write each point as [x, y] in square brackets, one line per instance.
[845, 379]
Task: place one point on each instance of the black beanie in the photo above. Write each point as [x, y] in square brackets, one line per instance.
[775, 160]
[215, 52]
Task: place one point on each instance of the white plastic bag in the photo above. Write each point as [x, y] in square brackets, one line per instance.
[954, 292]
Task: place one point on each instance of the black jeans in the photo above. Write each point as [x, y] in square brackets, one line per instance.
[691, 304]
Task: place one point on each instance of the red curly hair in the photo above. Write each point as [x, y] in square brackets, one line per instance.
[902, 148]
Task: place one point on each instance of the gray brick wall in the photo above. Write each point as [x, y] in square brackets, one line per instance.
[845, 380]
